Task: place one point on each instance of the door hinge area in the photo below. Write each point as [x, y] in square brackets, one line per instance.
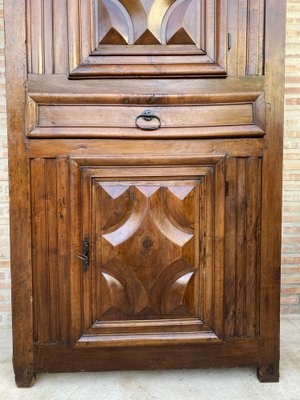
[85, 255]
[227, 188]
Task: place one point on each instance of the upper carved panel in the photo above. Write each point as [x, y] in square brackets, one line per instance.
[146, 22]
[98, 38]
[146, 38]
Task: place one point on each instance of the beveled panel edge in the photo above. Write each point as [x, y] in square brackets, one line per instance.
[200, 159]
[87, 70]
[145, 98]
[159, 339]
[131, 133]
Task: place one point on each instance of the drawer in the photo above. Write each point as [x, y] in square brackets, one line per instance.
[231, 115]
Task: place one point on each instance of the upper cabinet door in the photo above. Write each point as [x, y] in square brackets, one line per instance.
[144, 38]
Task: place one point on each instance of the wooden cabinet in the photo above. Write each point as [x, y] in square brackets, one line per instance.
[145, 142]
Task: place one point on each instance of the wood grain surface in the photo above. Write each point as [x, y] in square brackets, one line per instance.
[133, 233]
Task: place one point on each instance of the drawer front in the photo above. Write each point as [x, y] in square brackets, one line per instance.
[226, 116]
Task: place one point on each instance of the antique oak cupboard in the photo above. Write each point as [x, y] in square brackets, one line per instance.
[145, 151]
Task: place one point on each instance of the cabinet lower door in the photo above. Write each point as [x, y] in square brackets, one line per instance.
[147, 250]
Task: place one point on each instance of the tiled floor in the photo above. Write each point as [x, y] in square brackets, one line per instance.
[221, 384]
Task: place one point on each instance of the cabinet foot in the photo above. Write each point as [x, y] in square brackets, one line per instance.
[24, 378]
[268, 373]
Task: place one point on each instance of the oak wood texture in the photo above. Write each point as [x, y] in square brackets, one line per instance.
[183, 222]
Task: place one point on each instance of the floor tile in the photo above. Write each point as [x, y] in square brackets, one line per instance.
[206, 384]
[296, 321]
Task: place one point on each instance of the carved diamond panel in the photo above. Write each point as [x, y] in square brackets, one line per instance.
[146, 247]
[143, 38]
[147, 22]
[156, 230]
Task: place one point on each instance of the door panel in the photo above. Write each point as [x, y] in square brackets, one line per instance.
[156, 238]
[242, 246]
[179, 213]
[114, 38]
[50, 249]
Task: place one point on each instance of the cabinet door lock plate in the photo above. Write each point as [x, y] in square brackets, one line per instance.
[84, 256]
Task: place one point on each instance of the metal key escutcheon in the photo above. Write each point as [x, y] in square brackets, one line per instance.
[84, 256]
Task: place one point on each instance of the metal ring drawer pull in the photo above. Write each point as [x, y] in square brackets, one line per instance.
[148, 116]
